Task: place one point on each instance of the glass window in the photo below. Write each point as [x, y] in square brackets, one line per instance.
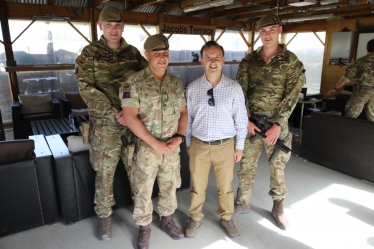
[183, 47]
[54, 82]
[311, 56]
[56, 42]
[235, 47]
[134, 35]
[5, 97]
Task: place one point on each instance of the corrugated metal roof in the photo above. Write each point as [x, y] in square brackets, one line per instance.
[73, 3]
[28, 1]
[146, 9]
[175, 12]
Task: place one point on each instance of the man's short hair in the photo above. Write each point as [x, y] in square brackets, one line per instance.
[370, 46]
[211, 44]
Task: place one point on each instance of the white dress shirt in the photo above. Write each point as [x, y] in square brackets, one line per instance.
[226, 119]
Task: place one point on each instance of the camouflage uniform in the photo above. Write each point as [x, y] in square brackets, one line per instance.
[270, 89]
[158, 106]
[99, 73]
[363, 89]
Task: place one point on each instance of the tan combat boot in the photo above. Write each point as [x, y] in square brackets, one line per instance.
[192, 226]
[279, 214]
[143, 237]
[242, 208]
[232, 231]
[168, 226]
[105, 229]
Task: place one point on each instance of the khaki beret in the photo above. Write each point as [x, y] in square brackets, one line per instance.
[156, 42]
[111, 14]
[268, 20]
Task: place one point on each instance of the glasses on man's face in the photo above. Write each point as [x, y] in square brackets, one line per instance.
[210, 94]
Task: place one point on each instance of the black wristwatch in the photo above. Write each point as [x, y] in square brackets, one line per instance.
[181, 136]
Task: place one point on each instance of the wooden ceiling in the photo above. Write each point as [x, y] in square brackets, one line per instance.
[251, 10]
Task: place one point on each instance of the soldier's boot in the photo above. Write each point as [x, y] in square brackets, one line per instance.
[105, 229]
[242, 208]
[168, 226]
[279, 215]
[143, 237]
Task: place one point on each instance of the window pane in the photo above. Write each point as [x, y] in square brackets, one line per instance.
[311, 56]
[233, 43]
[5, 97]
[134, 35]
[54, 82]
[56, 42]
[182, 47]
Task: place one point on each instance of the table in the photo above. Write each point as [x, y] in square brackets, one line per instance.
[302, 102]
[52, 127]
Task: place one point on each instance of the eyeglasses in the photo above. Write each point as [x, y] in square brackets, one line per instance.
[210, 94]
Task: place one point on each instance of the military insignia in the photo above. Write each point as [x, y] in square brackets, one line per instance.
[126, 87]
[275, 20]
[81, 62]
[166, 44]
[126, 95]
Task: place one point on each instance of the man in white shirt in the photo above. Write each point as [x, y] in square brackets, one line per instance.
[216, 114]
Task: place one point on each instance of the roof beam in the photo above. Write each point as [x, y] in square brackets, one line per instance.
[98, 2]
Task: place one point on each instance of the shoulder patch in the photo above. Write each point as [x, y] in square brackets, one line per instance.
[81, 62]
[126, 94]
[126, 87]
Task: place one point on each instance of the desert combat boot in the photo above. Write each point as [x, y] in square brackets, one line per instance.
[105, 229]
[192, 226]
[279, 214]
[143, 237]
[242, 208]
[168, 226]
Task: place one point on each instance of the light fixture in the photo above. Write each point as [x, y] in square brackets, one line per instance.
[300, 3]
[207, 5]
[51, 18]
[307, 18]
[326, 7]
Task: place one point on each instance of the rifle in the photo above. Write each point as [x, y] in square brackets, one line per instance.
[261, 122]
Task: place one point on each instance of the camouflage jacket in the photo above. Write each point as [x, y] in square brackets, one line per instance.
[274, 86]
[362, 70]
[158, 102]
[99, 72]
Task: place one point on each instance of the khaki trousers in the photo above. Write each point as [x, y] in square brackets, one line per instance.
[202, 156]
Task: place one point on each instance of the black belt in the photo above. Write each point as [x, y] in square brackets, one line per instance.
[215, 142]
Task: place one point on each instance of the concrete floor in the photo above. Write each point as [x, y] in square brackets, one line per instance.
[326, 209]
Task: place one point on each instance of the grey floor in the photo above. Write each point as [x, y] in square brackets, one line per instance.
[326, 210]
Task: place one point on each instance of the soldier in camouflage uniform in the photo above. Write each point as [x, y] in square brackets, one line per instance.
[363, 90]
[271, 78]
[154, 108]
[99, 70]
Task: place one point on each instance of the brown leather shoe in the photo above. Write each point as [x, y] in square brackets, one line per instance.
[192, 226]
[279, 215]
[231, 230]
[242, 208]
[105, 229]
[168, 226]
[143, 237]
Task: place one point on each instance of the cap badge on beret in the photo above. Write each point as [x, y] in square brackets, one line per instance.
[156, 42]
[275, 20]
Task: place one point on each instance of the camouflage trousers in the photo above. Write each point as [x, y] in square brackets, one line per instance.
[362, 98]
[248, 166]
[105, 152]
[146, 167]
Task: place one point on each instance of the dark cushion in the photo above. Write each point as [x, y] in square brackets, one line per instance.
[76, 101]
[37, 116]
[16, 150]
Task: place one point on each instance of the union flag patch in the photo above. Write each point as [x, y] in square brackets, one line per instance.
[126, 94]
